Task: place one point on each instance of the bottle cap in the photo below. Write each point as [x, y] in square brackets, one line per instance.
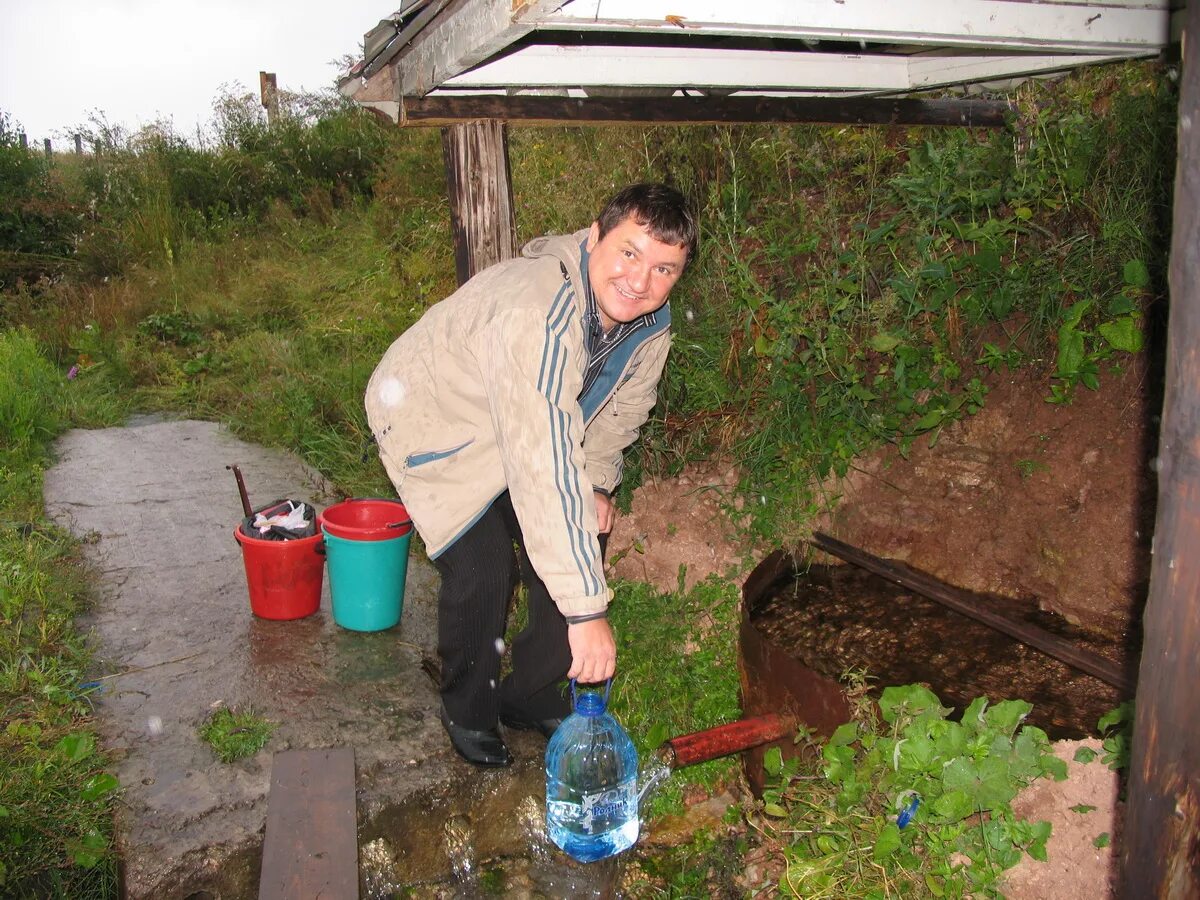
[590, 704]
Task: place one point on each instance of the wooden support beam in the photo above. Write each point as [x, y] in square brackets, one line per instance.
[311, 845]
[526, 110]
[480, 189]
[1160, 854]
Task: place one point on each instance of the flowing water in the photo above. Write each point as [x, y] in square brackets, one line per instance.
[529, 866]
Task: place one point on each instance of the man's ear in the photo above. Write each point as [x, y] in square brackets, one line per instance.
[593, 237]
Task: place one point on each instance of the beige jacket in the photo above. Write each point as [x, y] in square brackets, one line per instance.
[481, 396]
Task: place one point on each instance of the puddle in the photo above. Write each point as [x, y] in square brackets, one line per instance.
[431, 847]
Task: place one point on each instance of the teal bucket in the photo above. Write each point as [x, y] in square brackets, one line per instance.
[366, 549]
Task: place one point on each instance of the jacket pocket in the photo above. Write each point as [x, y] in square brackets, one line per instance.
[413, 460]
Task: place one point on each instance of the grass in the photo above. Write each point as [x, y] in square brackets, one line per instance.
[236, 734]
[677, 673]
[55, 793]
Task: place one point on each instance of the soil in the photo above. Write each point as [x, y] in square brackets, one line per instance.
[1048, 504]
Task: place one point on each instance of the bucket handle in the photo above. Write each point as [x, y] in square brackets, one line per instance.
[607, 691]
[403, 524]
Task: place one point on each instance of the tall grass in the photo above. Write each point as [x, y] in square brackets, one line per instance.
[55, 797]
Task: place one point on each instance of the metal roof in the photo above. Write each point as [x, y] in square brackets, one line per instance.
[754, 48]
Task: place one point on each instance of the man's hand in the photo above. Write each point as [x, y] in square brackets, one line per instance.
[606, 513]
[593, 651]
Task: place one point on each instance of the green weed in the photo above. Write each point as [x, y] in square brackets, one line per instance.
[1028, 467]
[235, 734]
[31, 410]
[55, 795]
[909, 803]
[1116, 727]
[704, 867]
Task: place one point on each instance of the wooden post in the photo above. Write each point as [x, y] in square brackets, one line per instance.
[47, 145]
[269, 92]
[480, 189]
[24, 141]
[79, 145]
[1161, 847]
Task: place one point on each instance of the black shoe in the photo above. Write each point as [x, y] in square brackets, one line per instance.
[482, 747]
[510, 718]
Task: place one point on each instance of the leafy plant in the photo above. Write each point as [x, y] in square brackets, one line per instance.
[234, 734]
[909, 803]
[1116, 728]
[172, 328]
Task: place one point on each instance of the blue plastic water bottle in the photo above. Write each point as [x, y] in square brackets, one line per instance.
[591, 782]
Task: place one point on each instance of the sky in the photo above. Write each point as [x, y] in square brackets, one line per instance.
[139, 61]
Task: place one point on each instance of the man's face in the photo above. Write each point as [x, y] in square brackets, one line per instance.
[631, 271]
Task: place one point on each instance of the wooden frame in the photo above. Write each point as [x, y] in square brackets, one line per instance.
[762, 43]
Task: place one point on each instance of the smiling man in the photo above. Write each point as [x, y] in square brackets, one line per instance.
[502, 417]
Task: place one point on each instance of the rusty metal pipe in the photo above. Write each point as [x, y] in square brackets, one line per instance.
[732, 737]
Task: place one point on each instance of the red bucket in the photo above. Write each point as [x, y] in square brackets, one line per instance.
[284, 576]
[366, 520]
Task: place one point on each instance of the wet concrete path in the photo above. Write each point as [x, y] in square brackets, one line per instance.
[174, 638]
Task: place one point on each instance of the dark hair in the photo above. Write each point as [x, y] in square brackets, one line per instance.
[658, 208]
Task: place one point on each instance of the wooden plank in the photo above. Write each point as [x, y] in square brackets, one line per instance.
[937, 70]
[1099, 25]
[681, 67]
[687, 67]
[1160, 854]
[311, 846]
[463, 34]
[383, 43]
[961, 602]
[479, 185]
[439, 110]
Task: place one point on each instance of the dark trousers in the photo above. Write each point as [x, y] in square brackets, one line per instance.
[479, 573]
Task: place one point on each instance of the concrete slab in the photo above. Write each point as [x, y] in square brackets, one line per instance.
[174, 638]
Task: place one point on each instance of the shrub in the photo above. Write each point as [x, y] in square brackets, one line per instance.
[38, 227]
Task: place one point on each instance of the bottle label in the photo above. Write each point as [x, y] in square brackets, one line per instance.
[603, 808]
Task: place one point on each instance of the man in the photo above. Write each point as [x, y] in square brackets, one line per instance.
[501, 418]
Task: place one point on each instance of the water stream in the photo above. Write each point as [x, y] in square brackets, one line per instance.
[532, 868]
